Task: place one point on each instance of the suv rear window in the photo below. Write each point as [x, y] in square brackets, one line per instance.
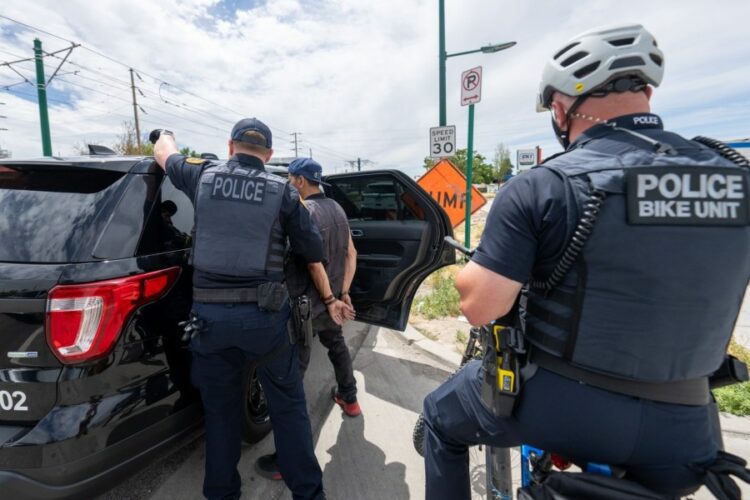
[54, 213]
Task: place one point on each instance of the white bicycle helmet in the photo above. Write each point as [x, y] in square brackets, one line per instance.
[593, 61]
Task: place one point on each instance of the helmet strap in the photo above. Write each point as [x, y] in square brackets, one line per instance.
[563, 135]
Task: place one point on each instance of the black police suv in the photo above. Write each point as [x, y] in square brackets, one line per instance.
[94, 279]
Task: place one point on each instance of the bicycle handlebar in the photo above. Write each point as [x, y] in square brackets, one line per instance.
[458, 246]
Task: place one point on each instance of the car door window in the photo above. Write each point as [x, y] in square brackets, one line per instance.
[170, 224]
[398, 232]
[376, 198]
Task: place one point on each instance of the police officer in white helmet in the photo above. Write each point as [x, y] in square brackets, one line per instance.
[629, 254]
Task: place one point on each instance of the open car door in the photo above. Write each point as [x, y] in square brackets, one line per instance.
[398, 231]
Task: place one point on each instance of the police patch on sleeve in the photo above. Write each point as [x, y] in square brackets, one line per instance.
[696, 196]
[238, 189]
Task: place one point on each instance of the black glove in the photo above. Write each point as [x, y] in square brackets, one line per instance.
[156, 133]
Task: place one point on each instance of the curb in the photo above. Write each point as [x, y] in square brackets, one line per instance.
[429, 347]
[734, 425]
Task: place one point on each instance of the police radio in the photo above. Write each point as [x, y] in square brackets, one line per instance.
[501, 364]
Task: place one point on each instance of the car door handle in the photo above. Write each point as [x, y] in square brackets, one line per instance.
[357, 233]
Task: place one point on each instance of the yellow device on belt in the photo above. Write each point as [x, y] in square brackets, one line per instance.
[506, 376]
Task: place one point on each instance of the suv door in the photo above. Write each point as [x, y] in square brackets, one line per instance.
[398, 231]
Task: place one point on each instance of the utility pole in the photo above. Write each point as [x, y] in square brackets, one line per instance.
[296, 144]
[41, 89]
[135, 113]
[358, 162]
[3, 153]
[310, 153]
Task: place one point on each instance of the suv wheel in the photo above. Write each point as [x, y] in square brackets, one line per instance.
[256, 423]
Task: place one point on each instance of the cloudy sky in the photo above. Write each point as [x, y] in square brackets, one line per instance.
[355, 78]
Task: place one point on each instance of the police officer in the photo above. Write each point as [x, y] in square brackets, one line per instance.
[635, 268]
[243, 218]
[340, 261]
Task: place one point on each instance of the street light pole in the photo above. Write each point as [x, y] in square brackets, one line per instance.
[442, 57]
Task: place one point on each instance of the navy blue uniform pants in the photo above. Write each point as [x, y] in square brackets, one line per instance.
[332, 337]
[654, 442]
[234, 335]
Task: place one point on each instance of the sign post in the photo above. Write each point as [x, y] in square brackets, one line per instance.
[471, 93]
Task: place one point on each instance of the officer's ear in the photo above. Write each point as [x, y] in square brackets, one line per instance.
[558, 114]
[268, 156]
[649, 90]
[230, 143]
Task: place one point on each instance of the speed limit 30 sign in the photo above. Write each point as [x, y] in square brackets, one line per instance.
[442, 141]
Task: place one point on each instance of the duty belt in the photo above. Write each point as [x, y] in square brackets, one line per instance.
[693, 392]
[225, 295]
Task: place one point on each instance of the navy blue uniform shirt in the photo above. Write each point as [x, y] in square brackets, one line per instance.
[303, 236]
[530, 223]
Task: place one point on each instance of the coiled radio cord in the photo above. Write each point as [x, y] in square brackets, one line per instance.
[727, 152]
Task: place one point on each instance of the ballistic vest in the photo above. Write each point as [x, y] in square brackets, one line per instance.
[237, 227]
[333, 226]
[655, 292]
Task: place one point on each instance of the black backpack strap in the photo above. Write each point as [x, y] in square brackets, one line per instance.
[717, 475]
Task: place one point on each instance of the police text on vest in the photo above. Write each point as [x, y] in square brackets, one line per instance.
[687, 195]
[236, 188]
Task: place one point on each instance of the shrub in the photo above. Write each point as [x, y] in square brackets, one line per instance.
[735, 399]
[443, 299]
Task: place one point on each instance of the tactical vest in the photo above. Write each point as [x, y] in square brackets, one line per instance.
[333, 225]
[238, 232]
[656, 290]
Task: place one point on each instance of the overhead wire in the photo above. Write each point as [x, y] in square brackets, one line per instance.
[164, 82]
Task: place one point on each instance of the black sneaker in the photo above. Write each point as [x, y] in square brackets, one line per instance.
[268, 467]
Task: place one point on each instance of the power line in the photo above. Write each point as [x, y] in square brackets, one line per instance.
[93, 90]
[163, 82]
[120, 63]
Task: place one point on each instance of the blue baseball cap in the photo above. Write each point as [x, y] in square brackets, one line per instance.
[307, 168]
[252, 125]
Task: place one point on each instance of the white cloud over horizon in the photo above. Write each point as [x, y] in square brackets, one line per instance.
[357, 79]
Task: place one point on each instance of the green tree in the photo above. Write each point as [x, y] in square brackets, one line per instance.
[189, 152]
[482, 172]
[502, 163]
[127, 143]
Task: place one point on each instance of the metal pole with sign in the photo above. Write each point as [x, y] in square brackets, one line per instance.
[471, 93]
[469, 174]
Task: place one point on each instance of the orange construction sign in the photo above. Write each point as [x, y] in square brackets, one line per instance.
[447, 185]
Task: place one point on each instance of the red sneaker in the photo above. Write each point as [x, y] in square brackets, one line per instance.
[350, 409]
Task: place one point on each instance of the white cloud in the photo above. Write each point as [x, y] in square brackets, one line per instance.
[357, 79]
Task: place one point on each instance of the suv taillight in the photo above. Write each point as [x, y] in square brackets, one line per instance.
[84, 321]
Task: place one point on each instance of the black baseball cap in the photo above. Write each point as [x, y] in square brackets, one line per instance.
[252, 125]
[307, 168]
